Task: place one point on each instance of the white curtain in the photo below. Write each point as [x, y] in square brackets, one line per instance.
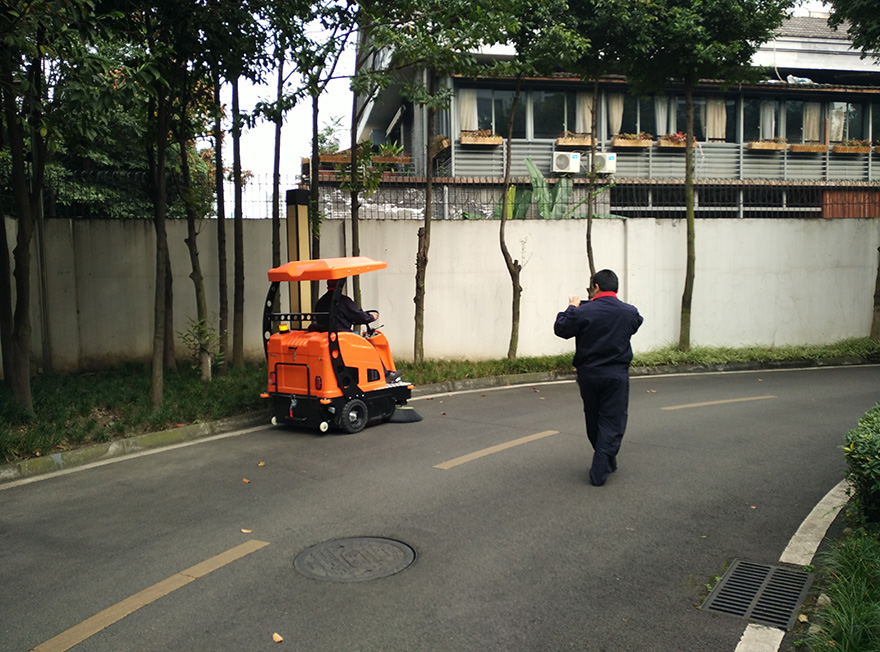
[812, 121]
[768, 119]
[661, 115]
[716, 119]
[467, 109]
[583, 113]
[615, 112]
[838, 121]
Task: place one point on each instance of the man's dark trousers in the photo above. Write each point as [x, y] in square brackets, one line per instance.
[606, 399]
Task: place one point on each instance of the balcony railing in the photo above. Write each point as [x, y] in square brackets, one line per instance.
[712, 161]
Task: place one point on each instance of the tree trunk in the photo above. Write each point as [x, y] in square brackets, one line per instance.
[875, 319]
[222, 272]
[424, 238]
[684, 340]
[169, 355]
[5, 281]
[314, 190]
[355, 195]
[513, 266]
[5, 304]
[158, 192]
[276, 169]
[591, 186]
[19, 373]
[202, 325]
[238, 238]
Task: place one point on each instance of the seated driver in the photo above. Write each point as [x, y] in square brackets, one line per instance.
[348, 313]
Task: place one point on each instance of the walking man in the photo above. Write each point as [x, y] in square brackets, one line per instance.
[602, 328]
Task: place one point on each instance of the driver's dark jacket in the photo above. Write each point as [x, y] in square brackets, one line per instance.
[602, 329]
[348, 314]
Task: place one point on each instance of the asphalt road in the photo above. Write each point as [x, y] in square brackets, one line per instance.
[193, 548]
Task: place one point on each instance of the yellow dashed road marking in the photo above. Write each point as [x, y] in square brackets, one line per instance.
[494, 449]
[724, 402]
[91, 626]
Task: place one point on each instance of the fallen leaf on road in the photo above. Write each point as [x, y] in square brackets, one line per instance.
[245, 480]
[261, 464]
[277, 637]
[245, 531]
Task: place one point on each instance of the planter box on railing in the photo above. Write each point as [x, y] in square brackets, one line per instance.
[851, 149]
[477, 138]
[574, 141]
[808, 147]
[665, 143]
[631, 143]
[768, 145]
[346, 158]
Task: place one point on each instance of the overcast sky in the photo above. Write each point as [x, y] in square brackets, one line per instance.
[296, 135]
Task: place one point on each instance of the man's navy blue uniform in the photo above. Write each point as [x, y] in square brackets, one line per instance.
[602, 329]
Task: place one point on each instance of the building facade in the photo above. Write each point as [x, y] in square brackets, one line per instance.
[805, 142]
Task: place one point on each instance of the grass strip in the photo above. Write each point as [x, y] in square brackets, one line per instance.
[80, 409]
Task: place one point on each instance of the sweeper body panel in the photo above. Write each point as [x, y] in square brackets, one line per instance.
[320, 378]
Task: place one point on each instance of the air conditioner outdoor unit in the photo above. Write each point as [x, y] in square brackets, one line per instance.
[606, 162]
[567, 162]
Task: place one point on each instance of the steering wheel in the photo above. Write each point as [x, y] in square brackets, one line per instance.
[369, 327]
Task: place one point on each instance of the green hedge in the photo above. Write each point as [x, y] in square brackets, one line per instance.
[862, 451]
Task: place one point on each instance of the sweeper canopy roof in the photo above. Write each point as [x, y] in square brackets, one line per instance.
[325, 269]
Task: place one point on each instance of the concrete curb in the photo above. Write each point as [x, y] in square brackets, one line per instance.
[493, 381]
[118, 448]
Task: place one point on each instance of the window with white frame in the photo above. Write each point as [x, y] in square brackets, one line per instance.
[718, 118]
[552, 112]
[846, 121]
[629, 114]
[875, 123]
[760, 119]
[803, 121]
[700, 116]
[492, 109]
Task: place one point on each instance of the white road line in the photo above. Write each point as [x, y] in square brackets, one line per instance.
[803, 545]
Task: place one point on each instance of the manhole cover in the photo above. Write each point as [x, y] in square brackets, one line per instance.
[356, 559]
[769, 595]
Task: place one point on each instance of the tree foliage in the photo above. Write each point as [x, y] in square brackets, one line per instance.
[44, 64]
[862, 22]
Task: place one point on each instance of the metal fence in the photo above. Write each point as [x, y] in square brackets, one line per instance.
[481, 199]
[114, 195]
[126, 195]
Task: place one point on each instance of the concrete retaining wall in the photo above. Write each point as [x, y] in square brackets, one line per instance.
[758, 282]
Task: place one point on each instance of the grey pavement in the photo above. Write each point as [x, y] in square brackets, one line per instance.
[514, 550]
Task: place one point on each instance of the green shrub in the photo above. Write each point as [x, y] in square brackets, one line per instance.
[862, 452]
[849, 617]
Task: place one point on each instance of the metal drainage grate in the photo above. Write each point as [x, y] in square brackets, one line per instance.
[355, 559]
[768, 595]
